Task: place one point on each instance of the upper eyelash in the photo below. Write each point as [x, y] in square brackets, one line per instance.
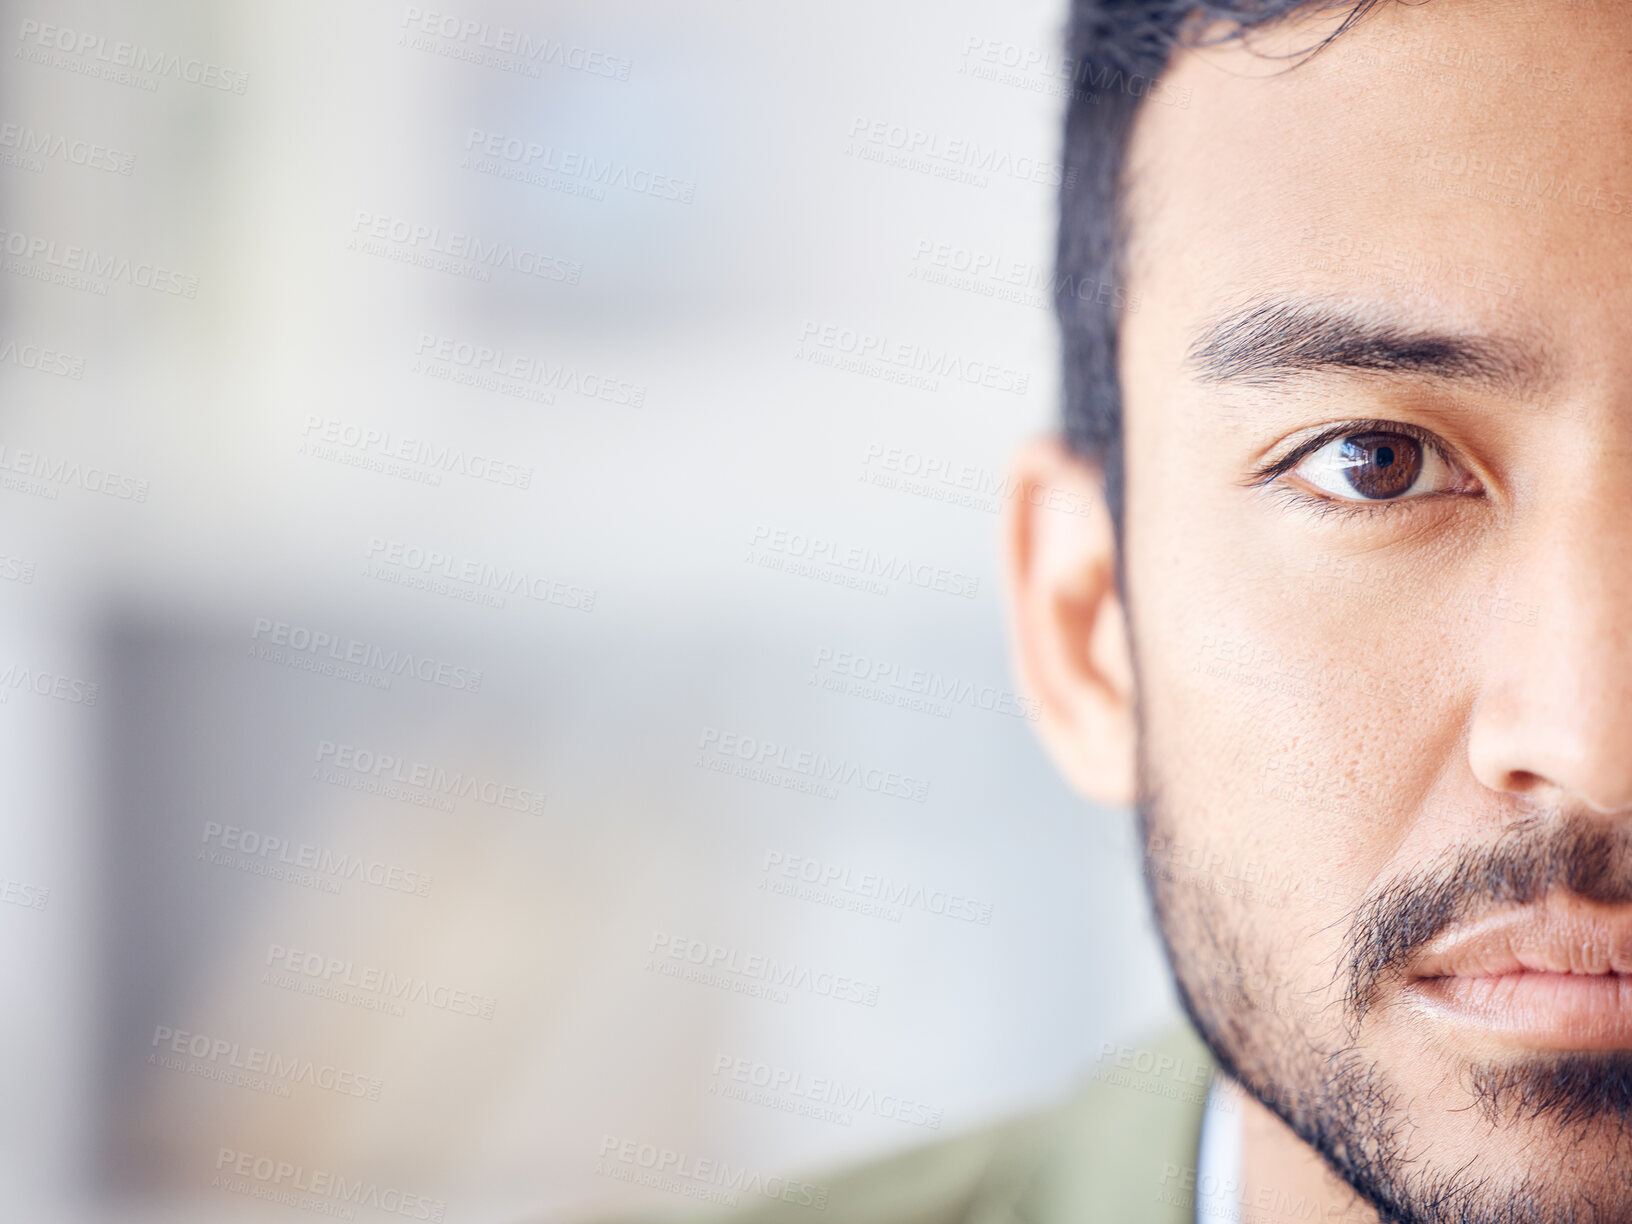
[1280, 467]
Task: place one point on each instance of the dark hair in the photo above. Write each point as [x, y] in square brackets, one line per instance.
[1119, 49]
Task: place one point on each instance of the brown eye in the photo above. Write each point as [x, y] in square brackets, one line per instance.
[1380, 465]
[1377, 465]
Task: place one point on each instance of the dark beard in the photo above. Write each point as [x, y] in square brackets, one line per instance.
[1340, 1101]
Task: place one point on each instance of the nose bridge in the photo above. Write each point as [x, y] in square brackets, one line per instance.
[1556, 710]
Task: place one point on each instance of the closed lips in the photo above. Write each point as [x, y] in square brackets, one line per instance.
[1554, 976]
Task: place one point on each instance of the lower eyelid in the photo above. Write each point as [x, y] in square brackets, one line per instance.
[1297, 497]
[1320, 504]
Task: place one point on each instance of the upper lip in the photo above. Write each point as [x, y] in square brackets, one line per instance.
[1556, 936]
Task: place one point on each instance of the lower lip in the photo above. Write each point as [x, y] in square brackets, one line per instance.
[1555, 1011]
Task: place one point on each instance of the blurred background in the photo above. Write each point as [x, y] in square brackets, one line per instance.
[501, 645]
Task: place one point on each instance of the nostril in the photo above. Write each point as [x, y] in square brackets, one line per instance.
[1522, 781]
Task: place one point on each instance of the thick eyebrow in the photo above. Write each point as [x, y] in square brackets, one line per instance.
[1272, 342]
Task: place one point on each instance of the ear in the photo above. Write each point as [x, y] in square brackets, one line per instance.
[1067, 628]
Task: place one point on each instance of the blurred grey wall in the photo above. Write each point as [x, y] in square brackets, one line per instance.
[502, 637]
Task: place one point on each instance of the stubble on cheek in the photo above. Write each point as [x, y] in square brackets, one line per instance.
[1240, 956]
[1276, 1031]
[1238, 782]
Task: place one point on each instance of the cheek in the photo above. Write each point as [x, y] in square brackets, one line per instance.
[1294, 722]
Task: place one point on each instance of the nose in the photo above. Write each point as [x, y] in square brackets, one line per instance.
[1553, 718]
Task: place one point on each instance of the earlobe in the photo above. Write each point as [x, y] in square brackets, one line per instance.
[1067, 626]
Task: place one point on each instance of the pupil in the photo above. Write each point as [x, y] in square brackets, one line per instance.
[1379, 466]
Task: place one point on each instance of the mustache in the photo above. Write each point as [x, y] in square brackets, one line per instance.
[1536, 856]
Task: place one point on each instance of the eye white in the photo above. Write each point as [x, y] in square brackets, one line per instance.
[1327, 470]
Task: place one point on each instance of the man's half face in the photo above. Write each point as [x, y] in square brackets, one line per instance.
[1378, 542]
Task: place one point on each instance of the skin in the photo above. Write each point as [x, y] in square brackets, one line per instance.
[1310, 703]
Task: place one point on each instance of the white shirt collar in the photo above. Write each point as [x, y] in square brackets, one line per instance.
[1218, 1160]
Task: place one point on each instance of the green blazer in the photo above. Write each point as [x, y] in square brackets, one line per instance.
[1121, 1151]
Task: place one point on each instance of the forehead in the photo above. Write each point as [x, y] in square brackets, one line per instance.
[1465, 160]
